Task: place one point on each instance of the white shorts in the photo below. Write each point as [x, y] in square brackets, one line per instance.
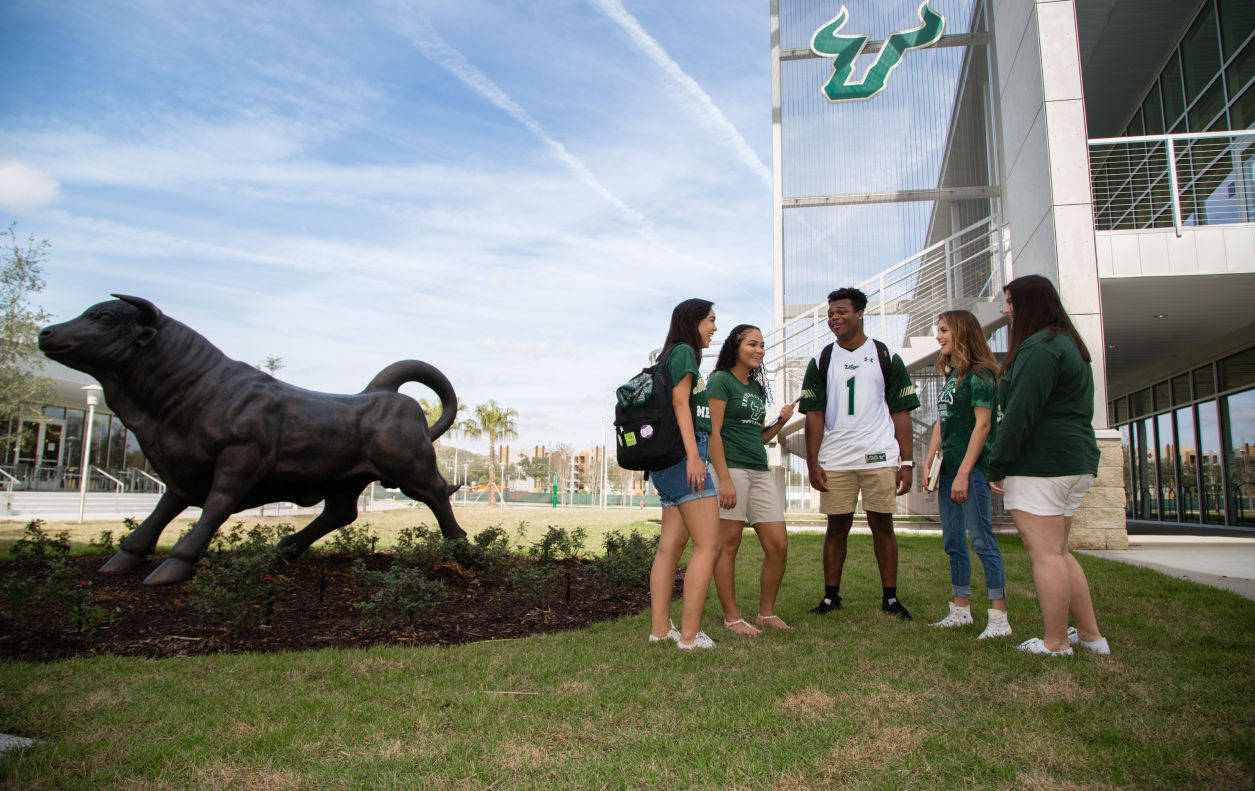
[1057, 496]
[757, 497]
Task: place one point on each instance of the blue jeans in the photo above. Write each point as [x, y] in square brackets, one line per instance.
[672, 483]
[974, 514]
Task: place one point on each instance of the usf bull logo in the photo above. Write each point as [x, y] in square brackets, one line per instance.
[844, 50]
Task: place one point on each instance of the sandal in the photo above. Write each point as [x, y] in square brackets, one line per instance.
[751, 633]
[761, 620]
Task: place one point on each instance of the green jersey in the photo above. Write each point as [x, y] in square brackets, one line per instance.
[956, 405]
[1045, 412]
[742, 429]
[683, 361]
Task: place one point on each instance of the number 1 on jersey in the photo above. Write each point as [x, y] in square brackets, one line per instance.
[849, 385]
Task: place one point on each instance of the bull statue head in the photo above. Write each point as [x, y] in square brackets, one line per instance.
[103, 336]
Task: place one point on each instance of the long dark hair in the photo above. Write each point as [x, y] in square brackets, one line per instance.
[684, 320]
[1037, 307]
[731, 350]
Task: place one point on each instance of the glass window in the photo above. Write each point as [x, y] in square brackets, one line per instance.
[1204, 382]
[1238, 370]
[1171, 88]
[1140, 402]
[1204, 110]
[1237, 20]
[1135, 127]
[1122, 410]
[117, 444]
[54, 412]
[1126, 445]
[1200, 52]
[1162, 400]
[74, 437]
[1213, 491]
[1167, 457]
[100, 440]
[1241, 69]
[1152, 112]
[1147, 498]
[1181, 389]
[1241, 409]
[1242, 112]
[1187, 466]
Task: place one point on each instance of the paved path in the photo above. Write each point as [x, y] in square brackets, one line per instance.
[1220, 561]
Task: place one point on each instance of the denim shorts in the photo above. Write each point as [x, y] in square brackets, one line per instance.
[672, 483]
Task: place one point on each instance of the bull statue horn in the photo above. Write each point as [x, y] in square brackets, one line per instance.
[149, 315]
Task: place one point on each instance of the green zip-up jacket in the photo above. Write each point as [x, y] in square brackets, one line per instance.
[1045, 412]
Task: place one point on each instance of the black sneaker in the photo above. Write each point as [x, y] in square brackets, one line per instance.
[826, 606]
[895, 608]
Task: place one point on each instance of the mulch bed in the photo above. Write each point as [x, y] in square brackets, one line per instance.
[161, 622]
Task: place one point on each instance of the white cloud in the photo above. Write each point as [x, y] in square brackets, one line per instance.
[24, 188]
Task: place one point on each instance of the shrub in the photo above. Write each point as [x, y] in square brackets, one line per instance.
[37, 545]
[400, 596]
[103, 542]
[354, 540]
[559, 543]
[235, 585]
[625, 565]
[535, 582]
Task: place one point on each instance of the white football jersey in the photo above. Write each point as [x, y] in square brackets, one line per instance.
[858, 432]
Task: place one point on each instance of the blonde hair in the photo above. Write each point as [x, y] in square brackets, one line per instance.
[968, 351]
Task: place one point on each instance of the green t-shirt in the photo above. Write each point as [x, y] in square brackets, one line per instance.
[683, 361]
[956, 405]
[742, 429]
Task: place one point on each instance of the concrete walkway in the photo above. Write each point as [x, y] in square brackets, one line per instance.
[1226, 562]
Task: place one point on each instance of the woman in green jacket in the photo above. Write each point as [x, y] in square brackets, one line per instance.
[1045, 456]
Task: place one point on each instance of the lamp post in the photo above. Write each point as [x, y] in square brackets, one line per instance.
[93, 397]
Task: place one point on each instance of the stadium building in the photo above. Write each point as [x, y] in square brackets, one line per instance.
[930, 152]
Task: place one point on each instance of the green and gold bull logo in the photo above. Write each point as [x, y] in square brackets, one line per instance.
[844, 50]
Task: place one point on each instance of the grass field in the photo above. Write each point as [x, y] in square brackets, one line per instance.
[854, 700]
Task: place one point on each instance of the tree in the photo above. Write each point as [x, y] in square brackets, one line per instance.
[496, 422]
[271, 364]
[21, 275]
[539, 469]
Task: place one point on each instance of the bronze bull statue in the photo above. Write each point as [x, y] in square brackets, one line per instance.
[225, 436]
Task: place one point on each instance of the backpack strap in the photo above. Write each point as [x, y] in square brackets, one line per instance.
[825, 360]
[886, 364]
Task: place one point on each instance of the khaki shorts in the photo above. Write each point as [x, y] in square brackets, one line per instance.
[1056, 496]
[878, 485]
[757, 497]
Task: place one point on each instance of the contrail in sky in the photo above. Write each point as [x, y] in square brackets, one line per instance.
[699, 101]
[422, 35]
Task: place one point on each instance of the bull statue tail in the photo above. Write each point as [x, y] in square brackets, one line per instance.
[397, 374]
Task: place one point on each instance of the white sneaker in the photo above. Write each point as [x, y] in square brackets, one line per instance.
[1035, 645]
[998, 626]
[702, 640]
[959, 616]
[673, 634]
[1098, 646]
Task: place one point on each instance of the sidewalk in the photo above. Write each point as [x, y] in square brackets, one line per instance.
[1226, 562]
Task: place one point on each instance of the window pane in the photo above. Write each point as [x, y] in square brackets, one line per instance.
[1122, 410]
[1126, 445]
[1205, 109]
[74, 438]
[1152, 112]
[1209, 450]
[1162, 401]
[1241, 69]
[54, 412]
[1200, 53]
[1181, 389]
[117, 444]
[1171, 88]
[100, 442]
[1237, 20]
[1204, 382]
[1167, 468]
[1141, 403]
[1135, 124]
[1146, 504]
[1242, 456]
[1187, 465]
[1238, 370]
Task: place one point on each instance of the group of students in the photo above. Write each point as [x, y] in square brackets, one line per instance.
[1023, 429]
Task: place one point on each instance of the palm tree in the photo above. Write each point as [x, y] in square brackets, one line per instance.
[498, 423]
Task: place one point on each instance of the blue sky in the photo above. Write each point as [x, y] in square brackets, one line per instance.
[515, 192]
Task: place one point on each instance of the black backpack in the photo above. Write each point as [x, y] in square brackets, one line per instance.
[647, 436]
[882, 354]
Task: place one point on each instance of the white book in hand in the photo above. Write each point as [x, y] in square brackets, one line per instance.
[934, 475]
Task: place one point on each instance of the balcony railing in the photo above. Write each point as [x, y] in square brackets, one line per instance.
[1173, 181]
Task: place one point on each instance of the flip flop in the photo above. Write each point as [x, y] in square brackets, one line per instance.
[729, 624]
[761, 621]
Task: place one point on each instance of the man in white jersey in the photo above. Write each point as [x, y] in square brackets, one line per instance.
[858, 439]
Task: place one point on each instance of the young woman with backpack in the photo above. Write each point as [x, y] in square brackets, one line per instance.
[747, 490]
[685, 488]
[960, 443]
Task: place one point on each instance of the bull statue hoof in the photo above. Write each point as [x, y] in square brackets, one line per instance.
[170, 572]
[122, 562]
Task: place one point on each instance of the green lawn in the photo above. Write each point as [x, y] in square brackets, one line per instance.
[855, 700]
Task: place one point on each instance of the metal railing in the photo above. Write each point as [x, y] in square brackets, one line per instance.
[1173, 181]
[903, 301]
